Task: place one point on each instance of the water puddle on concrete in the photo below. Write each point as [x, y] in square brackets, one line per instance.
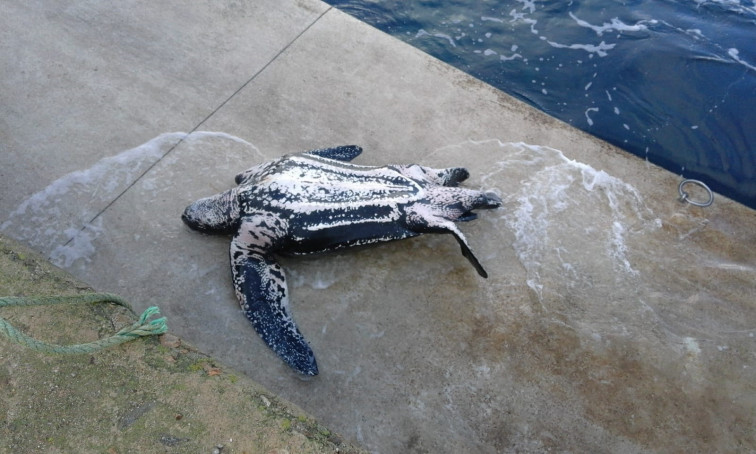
[54, 215]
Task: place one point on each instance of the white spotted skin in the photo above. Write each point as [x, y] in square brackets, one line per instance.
[315, 202]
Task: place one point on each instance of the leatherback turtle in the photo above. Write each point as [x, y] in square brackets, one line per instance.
[317, 201]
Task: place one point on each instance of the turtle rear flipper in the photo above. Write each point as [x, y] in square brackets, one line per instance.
[450, 177]
[419, 221]
[260, 286]
[466, 251]
[446, 226]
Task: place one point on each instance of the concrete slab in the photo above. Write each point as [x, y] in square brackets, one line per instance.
[83, 80]
[616, 319]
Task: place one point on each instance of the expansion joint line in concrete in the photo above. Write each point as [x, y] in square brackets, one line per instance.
[198, 125]
[260, 71]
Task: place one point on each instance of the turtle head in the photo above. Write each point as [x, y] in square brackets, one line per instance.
[217, 214]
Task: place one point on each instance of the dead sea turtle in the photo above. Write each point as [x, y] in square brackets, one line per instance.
[314, 202]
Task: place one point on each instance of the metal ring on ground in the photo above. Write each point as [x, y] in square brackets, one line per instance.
[684, 195]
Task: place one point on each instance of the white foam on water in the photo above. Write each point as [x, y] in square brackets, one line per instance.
[736, 6]
[735, 54]
[614, 25]
[571, 222]
[598, 49]
[511, 57]
[520, 17]
[444, 36]
[587, 117]
[527, 5]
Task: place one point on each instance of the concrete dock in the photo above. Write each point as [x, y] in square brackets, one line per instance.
[615, 318]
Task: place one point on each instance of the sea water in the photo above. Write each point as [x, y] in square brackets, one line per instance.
[673, 81]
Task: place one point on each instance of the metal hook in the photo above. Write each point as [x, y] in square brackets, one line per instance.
[684, 195]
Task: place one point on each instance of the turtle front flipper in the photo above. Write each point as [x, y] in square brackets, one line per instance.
[260, 286]
[341, 153]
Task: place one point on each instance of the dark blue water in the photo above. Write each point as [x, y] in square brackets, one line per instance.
[672, 81]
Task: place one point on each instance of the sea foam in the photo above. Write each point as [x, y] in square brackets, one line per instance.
[571, 222]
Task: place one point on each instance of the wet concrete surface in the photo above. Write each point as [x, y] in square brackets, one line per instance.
[615, 318]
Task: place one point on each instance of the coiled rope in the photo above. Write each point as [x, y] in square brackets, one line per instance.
[140, 328]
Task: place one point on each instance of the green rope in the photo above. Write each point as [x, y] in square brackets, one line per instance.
[141, 327]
